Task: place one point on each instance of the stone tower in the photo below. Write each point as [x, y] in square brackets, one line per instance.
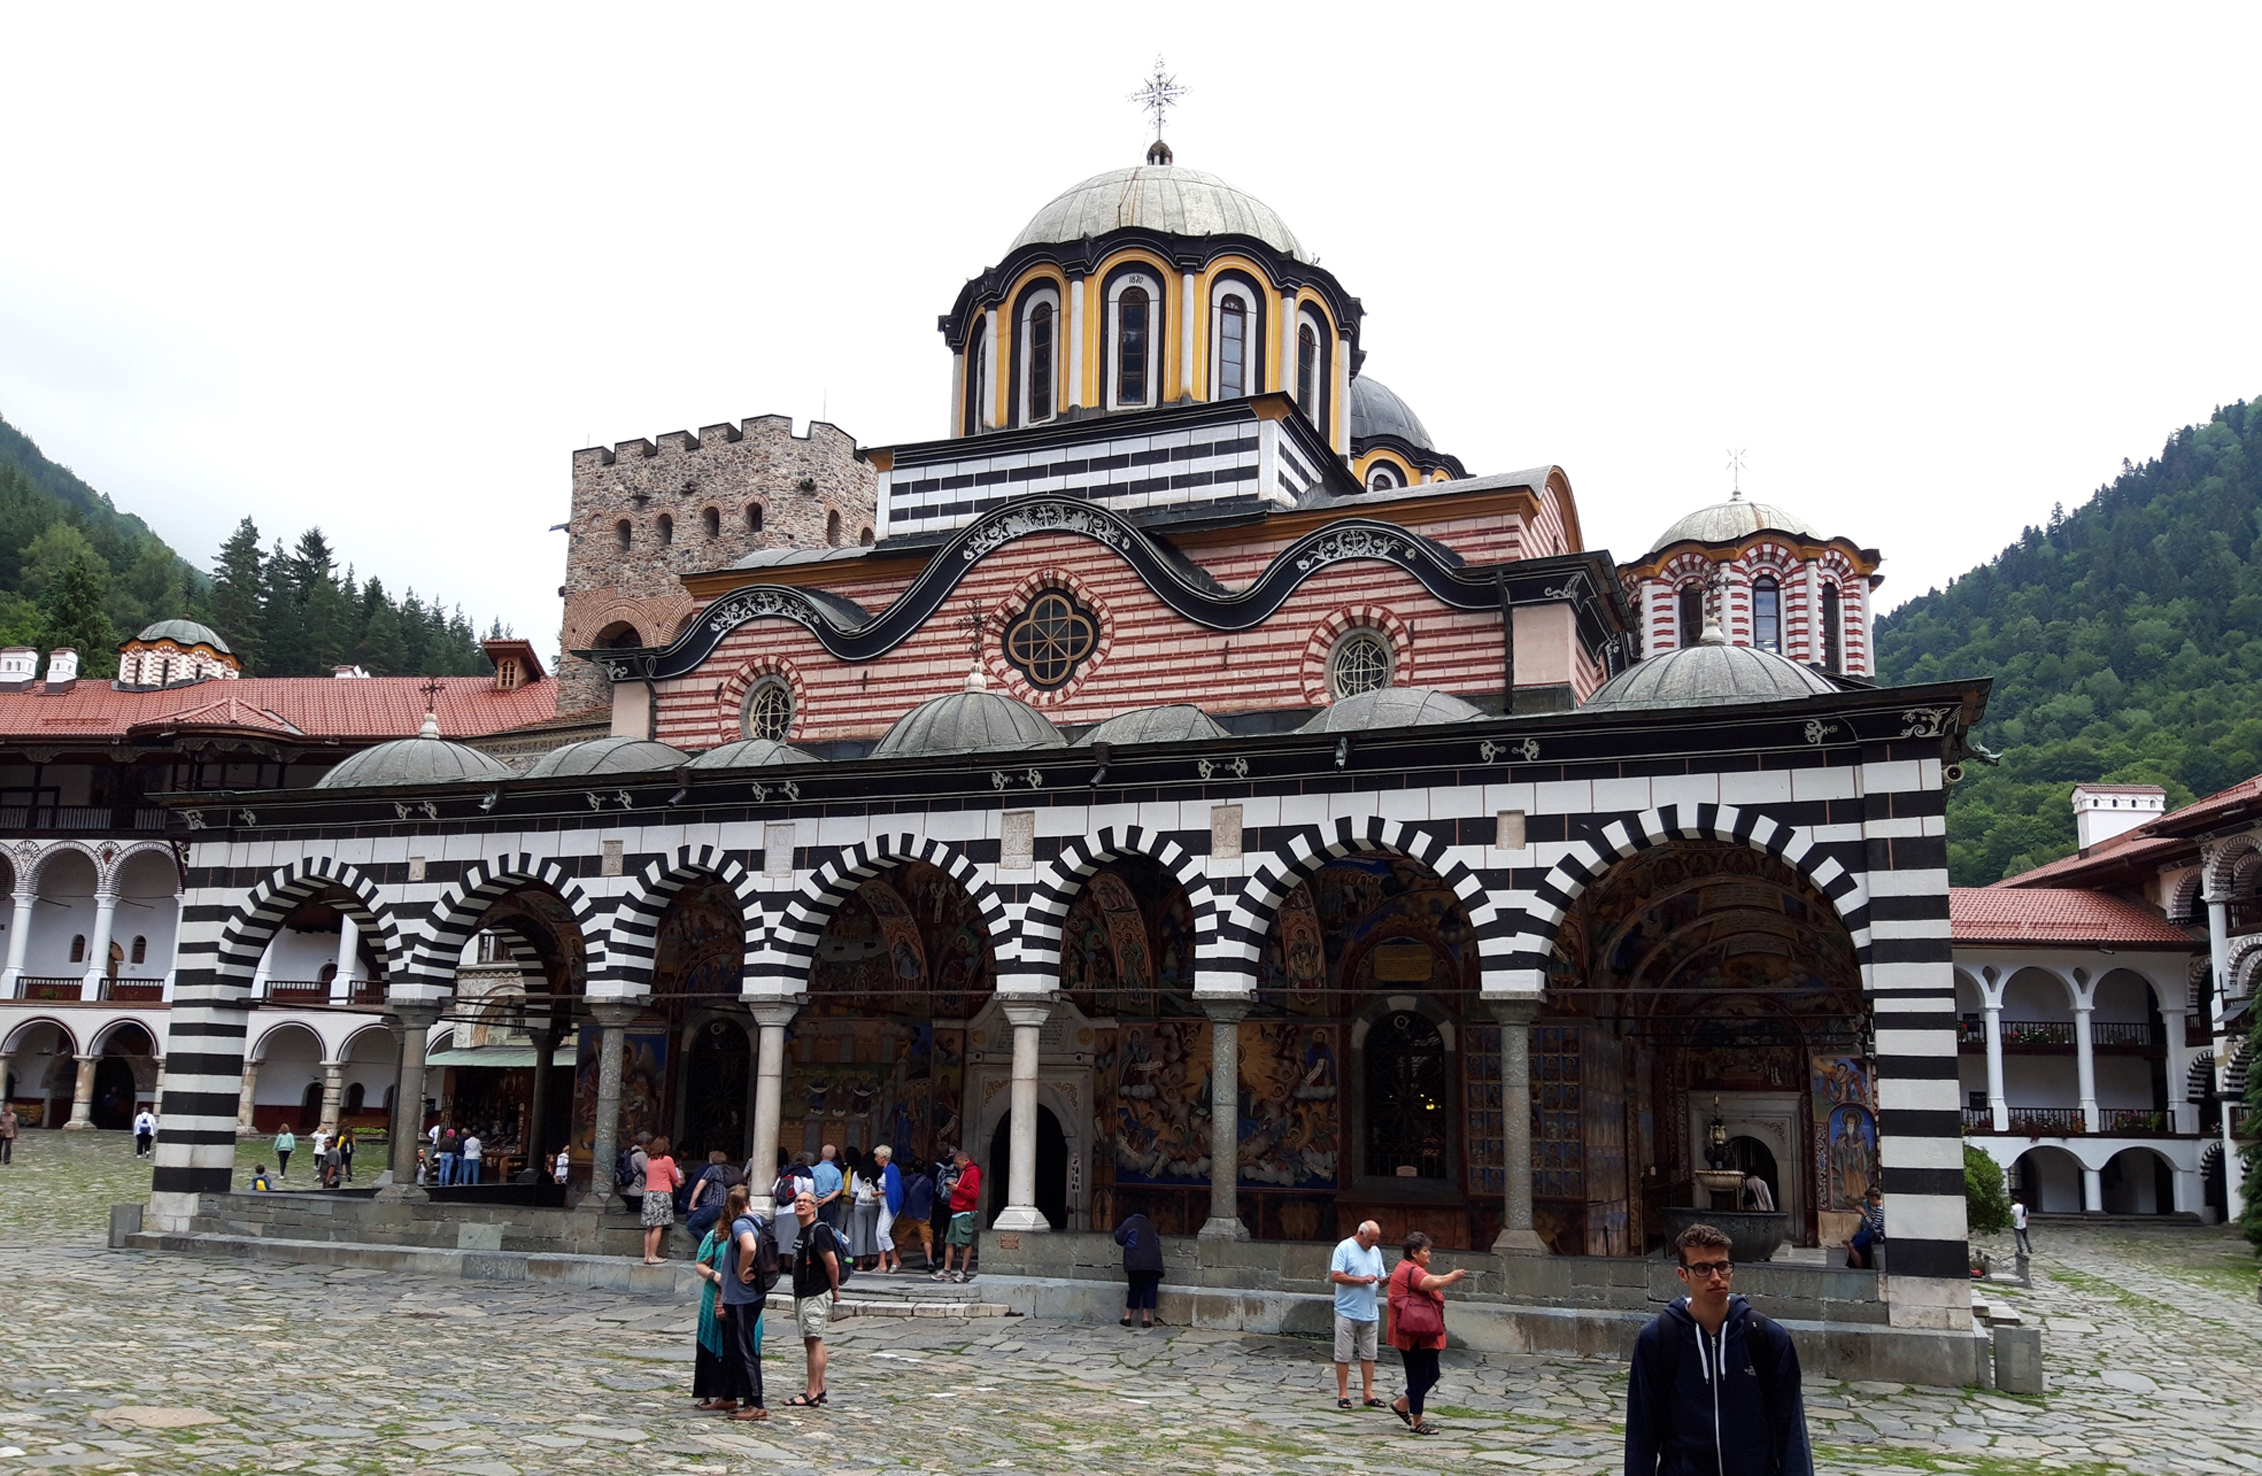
[646, 513]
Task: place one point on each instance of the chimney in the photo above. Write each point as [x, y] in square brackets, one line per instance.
[347, 672]
[62, 668]
[18, 665]
[2103, 811]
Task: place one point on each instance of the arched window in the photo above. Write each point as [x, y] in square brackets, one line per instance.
[624, 533]
[141, 949]
[1767, 614]
[78, 948]
[666, 527]
[327, 973]
[769, 710]
[1382, 476]
[1832, 649]
[1307, 372]
[1134, 343]
[356, 1096]
[1038, 399]
[1692, 614]
[754, 517]
[1360, 662]
[1232, 348]
[977, 373]
[832, 529]
[711, 522]
[1409, 1082]
[864, 537]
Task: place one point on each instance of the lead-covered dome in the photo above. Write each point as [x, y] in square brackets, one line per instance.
[184, 633]
[425, 759]
[1179, 722]
[606, 756]
[751, 753]
[1734, 521]
[1390, 707]
[1160, 197]
[1711, 673]
[1376, 410]
[972, 721]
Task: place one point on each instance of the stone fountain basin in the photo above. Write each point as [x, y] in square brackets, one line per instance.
[1756, 1235]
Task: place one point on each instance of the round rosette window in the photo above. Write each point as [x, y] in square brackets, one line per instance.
[1051, 638]
[769, 709]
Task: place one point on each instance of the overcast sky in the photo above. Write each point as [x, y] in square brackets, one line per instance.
[383, 270]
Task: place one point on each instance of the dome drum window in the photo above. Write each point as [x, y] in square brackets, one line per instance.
[1037, 357]
[1767, 614]
[1361, 662]
[769, 710]
[1050, 639]
[1134, 329]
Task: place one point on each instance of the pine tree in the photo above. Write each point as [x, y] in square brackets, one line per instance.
[380, 650]
[238, 586]
[72, 615]
[282, 619]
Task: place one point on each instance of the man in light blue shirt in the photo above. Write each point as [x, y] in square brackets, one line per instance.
[827, 1175]
[1356, 1270]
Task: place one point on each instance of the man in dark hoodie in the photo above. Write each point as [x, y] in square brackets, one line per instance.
[1714, 1387]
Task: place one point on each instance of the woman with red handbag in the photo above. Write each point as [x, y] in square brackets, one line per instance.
[1417, 1327]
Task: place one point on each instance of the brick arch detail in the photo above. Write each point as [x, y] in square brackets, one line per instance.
[730, 695]
[783, 966]
[1378, 618]
[1062, 879]
[246, 934]
[2222, 866]
[455, 917]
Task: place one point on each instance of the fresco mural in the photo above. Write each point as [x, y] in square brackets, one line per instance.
[1845, 1109]
[1289, 1097]
[699, 950]
[643, 1085]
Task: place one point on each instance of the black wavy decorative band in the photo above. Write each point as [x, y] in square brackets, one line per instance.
[1179, 585]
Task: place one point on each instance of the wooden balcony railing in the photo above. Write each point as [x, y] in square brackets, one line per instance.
[2132, 1120]
[2039, 1121]
[2125, 1033]
[52, 986]
[298, 991]
[2038, 1035]
[138, 991]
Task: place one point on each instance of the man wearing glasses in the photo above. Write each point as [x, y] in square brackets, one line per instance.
[1714, 1386]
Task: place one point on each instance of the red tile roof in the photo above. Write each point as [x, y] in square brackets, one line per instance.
[2137, 848]
[364, 709]
[2044, 917]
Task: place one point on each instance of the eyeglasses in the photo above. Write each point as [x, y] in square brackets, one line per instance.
[1709, 1269]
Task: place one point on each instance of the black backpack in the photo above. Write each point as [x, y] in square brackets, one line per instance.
[624, 1169]
[810, 1247]
[765, 1255]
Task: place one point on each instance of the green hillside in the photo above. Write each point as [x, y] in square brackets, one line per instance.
[2125, 639]
[75, 571]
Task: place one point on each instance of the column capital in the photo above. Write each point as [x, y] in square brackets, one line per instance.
[1028, 1013]
[1514, 1009]
[776, 1015]
[617, 1015]
[414, 1016]
[1227, 1011]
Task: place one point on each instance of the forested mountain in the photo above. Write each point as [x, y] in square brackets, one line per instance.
[2125, 639]
[74, 571]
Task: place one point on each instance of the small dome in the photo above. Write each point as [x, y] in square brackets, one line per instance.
[1729, 522]
[1180, 722]
[1177, 202]
[606, 756]
[184, 633]
[972, 721]
[1390, 707]
[1376, 410]
[1709, 674]
[750, 753]
[425, 759]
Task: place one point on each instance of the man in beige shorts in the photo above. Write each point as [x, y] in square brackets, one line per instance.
[816, 1287]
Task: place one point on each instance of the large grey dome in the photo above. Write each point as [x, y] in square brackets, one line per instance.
[751, 753]
[1390, 707]
[1180, 722]
[425, 759]
[184, 633]
[1161, 197]
[606, 756]
[1376, 410]
[1728, 522]
[972, 721]
[1708, 674]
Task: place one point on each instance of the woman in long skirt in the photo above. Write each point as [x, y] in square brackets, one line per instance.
[708, 1380]
[863, 1217]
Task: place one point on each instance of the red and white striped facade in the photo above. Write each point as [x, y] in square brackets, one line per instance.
[1801, 568]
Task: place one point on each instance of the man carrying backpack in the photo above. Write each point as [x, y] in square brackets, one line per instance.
[1714, 1386]
[818, 1269]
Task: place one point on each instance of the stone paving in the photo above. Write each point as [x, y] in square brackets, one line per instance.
[137, 1362]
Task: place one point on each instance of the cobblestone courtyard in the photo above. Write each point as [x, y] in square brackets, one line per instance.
[128, 1361]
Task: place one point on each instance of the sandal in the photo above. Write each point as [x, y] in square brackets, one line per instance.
[752, 1412]
[1377, 1404]
[1402, 1414]
[823, 1395]
[1343, 1403]
[803, 1401]
[1424, 1428]
[1126, 1322]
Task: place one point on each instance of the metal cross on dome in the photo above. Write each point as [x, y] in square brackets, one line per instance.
[1158, 94]
[1736, 475]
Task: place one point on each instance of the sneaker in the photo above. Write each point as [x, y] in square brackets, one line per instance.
[939, 1276]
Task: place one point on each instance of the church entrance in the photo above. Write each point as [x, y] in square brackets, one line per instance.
[1052, 1169]
[717, 1071]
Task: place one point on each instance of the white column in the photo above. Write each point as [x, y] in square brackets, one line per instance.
[1190, 312]
[2219, 964]
[247, 1099]
[1998, 1106]
[82, 1095]
[98, 949]
[1021, 1184]
[333, 1093]
[19, 940]
[1224, 1222]
[2093, 1191]
[1285, 379]
[2179, 1067]
[769, 1084]
[2234, 1187]
[1813, 613]
[1076, 343]
[349, 960]
[2085, 1065]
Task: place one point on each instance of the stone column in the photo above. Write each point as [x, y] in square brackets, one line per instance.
[82, 1095]
[349, 959]
[1517, 1236]
[416, 1020]
[19, 940]
[538, 1157]
[1998, 1105]
[333, 1094]
[605, 1145]
[2178, 1067]
[98, 947]
[2093, 1191]
[158, 1107]
[2085, 1067]
[1224, 1222]
[769, 1087]
[248, 1097]
[1020, 1211]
